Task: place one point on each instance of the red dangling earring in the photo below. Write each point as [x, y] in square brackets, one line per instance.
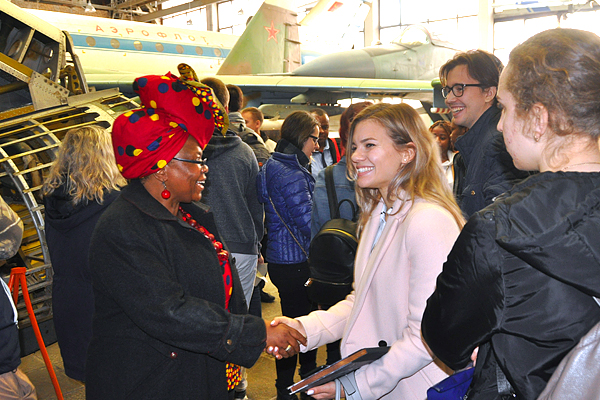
[165, 194]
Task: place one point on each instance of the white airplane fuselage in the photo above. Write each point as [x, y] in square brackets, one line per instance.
[107, 46]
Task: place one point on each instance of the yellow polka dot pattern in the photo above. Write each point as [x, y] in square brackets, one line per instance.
[234, 377]
[161, 163]
[218, 112]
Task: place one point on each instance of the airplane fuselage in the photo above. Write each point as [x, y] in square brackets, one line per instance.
[411, 59]
[119, 46]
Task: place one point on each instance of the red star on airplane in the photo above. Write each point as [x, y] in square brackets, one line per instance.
[272, 32]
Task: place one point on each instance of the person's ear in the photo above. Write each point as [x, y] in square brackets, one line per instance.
[490, 94]
[408, 153]
[161, 174]
[538, 118]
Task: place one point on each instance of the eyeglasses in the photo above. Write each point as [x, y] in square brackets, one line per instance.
[200, 162]
[458, 90]
[314, 138]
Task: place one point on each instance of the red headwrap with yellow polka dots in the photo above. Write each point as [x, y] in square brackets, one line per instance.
[145, 140]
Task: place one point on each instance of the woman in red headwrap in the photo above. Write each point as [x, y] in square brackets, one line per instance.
[170, 319]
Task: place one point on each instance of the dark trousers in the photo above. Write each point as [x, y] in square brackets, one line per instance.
[289, 280]
[255, 307]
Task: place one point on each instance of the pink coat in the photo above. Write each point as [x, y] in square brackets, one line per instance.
[392, 285]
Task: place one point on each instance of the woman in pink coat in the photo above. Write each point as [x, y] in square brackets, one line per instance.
[408, 226]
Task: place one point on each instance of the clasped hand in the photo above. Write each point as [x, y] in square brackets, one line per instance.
[284, 336]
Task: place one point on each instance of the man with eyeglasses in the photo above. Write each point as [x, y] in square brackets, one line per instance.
[470, 83]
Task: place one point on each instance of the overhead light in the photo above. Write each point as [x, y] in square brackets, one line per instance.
[89, 7]
[241, 12]
[189, 22]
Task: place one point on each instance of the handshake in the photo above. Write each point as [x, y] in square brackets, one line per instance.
[284, 336]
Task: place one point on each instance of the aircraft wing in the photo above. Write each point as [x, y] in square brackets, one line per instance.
[263, 89]
[305, 89]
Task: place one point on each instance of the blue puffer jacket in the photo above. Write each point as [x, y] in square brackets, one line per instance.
[290, 186]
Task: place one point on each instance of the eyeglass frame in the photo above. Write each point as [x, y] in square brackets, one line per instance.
[447, 89]
[200, 162]
[314, 138]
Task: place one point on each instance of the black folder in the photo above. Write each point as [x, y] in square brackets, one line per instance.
[346, 365]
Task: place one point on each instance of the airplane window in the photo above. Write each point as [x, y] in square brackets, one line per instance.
[412, 36]
[160, 47]
[199, 50]
[138, 45]
[218, 52]
[179, 49]
[90, 41]
[115, 43]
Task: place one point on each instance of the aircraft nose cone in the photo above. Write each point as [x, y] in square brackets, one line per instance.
[346, 64]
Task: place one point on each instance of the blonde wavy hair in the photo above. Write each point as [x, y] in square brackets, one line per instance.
[421, 178]
[85, 165]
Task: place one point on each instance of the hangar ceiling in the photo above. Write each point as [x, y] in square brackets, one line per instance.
[139, 10]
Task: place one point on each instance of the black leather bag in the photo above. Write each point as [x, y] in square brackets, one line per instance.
[332, 252]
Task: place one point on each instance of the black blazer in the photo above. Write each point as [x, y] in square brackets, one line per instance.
[160, 328]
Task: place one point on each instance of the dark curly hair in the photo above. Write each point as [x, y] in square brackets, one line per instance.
[560, 69]
[445, 125]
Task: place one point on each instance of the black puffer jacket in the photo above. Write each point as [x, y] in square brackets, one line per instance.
[519, 284]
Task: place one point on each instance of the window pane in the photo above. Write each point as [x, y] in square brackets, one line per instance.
[389, 13]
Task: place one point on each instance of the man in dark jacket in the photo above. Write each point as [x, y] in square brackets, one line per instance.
[470, 83]
[230, 191]
[238, 125]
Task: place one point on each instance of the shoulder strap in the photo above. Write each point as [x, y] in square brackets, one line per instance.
[335, 151]
[286, 227]
[334, 211]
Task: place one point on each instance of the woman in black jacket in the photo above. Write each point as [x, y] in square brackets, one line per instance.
[170, 319]
[519, 282]
[82, 182]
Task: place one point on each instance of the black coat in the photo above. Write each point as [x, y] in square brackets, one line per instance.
[519, 284]
[68, 233]
[161, 330]
[484, 169]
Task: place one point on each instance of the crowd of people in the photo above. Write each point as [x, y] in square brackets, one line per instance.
[477, 236]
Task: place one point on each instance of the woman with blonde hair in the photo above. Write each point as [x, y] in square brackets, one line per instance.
[81, 183]
[408, 224]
